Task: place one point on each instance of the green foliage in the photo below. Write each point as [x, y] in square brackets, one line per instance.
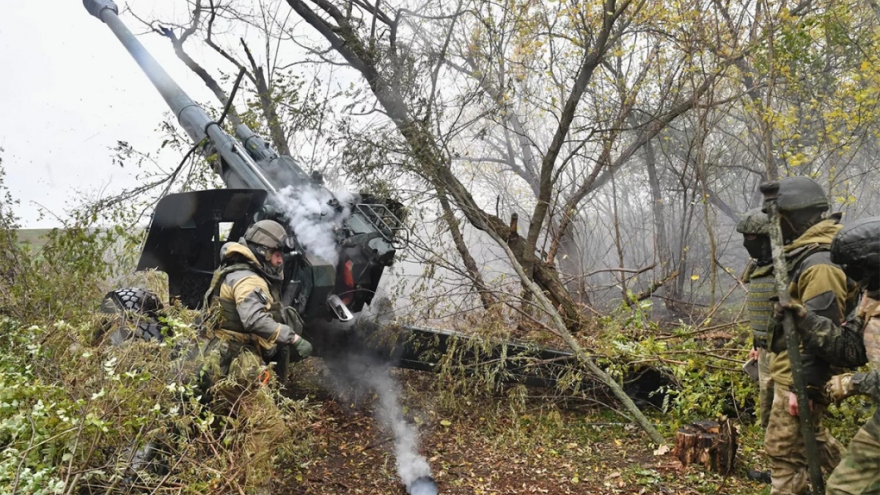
[72, 414]
[846, 418]
[73, 411]
[707, 387]
[31, 414]
[703, 367]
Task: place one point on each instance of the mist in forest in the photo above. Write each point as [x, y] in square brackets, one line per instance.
[613, 158]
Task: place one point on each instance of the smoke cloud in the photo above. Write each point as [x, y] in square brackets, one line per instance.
[315, 213]
[410, 464]
[354, 371]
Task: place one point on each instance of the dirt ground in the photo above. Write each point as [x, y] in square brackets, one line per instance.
[542, 449]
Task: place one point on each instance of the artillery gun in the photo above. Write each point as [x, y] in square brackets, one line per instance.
[184, 240]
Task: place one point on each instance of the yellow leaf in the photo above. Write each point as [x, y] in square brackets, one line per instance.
[446, 422]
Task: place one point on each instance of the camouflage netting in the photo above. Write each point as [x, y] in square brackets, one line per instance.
[754, 222]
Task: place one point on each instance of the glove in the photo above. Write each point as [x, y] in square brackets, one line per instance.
[303, 347]
[287, 336]
[797, 311]
[840, 387]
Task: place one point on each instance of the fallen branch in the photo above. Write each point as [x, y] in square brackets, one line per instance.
[623, 270]
[656, 285]
[573, 344]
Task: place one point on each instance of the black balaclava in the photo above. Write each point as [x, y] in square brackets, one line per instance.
[795, 223]
[867, 276]
[758, 246]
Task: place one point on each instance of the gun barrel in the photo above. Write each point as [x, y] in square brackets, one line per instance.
[241, 172]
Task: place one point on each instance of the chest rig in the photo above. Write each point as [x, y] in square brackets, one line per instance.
[222, 314]
[762, 287]
[794, 261]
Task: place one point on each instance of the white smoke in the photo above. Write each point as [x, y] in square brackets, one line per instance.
[410, 464]
[314, 220]
[424, 486]
[358, 370]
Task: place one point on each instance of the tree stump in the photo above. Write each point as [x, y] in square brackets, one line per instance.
[709, 443]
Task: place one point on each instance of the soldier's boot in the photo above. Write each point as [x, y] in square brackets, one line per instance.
[759, 476]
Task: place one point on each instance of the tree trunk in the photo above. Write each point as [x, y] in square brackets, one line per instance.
[267, 104]
[661, 242]
[618, 242]
[470, 264]
[709, 444]
[572, 265]
[700, 169]
[434, 165]
[561, 329]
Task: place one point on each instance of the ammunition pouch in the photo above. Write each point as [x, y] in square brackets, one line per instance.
[762, 288]
[229, 350]
[291, 318]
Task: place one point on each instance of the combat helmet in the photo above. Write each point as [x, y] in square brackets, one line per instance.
[266, 236]
[754, 225]
[856, 248]
[266, 233]
[802, 203]
[753, 222]
[801, 193]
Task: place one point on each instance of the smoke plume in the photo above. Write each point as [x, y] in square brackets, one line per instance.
[315, 213]
[354, 371]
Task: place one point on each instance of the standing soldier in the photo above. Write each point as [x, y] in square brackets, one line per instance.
[754, 226]
[857, 249]
[821, 286]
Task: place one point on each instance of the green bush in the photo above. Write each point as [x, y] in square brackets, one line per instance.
[73, 411]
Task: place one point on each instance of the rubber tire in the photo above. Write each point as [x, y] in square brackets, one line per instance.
[131, 301]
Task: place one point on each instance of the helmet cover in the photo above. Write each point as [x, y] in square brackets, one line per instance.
[754, 222]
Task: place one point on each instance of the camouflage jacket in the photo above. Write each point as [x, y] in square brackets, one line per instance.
[244, 301]
[821, 287]
[850, 345]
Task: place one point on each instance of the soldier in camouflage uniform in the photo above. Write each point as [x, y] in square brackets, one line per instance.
[754, 226]
[245, 318]
[248, 326]
[857, 249]
[821, 286]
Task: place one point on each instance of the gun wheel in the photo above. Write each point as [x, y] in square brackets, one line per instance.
[136, 315]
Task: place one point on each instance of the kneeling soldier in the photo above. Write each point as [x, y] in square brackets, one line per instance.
[246, 319]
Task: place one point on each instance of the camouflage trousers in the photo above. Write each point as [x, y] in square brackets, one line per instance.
[253, 422]
[765, 387]
[859, 471]
[235, 371]
[784, 445]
